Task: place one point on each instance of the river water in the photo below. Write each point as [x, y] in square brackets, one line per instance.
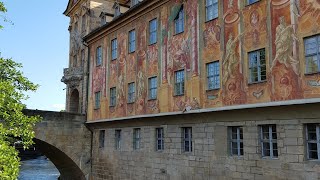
[38, 169]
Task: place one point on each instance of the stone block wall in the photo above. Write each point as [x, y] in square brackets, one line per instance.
[210, 157]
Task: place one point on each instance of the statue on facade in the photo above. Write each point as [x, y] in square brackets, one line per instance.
[284, 43]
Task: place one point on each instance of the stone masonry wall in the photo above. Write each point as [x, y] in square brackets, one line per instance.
[210, 157]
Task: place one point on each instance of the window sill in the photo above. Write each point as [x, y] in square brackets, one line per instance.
[269, 158]
[96, 109]
[210, 20]
[131, 52]
[213, 90]
[252, 3]
[112, 106]
[152, 99]
[312, 73]
[257, 82]
[177, 34]
[114, 59]
[237, 157]
[178, 95]
[131, 102]
[152, 44]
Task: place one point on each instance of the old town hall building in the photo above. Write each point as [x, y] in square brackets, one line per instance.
[197, 89]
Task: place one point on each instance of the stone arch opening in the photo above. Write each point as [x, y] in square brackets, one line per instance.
[67, 167]
[74, 101]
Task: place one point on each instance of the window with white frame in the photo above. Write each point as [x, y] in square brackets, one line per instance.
[268, 140]
[236, 141]
[153, 84]
[251, 1]
[159, 139]
[187, 139]
[211, 9]
[114, 47]
[179, 83]
[99, 56]
[132, 41]
[136, 138]
[113, 97]
[257, 66]
[313, 141]
[131, 92]
[97, 98]
[179, 21]
[117, 139]
[153, 31]
[213, 75]
[312, 54]
[101, 138]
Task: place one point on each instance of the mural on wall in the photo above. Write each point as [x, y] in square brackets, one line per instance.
[232, 77]
[285, 80]
[121, 86]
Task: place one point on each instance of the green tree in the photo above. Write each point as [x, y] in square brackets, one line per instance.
[13, 123]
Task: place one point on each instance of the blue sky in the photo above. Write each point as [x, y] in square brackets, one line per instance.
[38, 39]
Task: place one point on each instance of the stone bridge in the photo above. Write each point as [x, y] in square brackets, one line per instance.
[66, 141]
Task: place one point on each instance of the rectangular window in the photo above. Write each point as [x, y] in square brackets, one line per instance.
[101, 138]
[312, 54]
[113, 97]
[268, 139]
[179, 21]
[132, 41]
[313, 141]
[153, 31]
[131, 92]
[118, 139]
[97, 97]
[251, 1]
[236, 141]
[159, 139]
[136, 138]
[187, 139]
[213, 75]
[153, 84]
[211, 9]
[99, 56]
[257, 66]
[114, 47]
[179, 83]
[83, 24]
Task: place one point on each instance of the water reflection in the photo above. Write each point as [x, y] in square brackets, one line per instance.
[38, 169]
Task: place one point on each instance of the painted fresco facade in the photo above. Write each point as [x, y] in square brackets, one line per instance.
[278, 26]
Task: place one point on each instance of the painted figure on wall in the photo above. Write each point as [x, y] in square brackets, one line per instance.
[284, 43]
[230, 60]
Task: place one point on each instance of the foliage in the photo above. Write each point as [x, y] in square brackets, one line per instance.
[13, 123]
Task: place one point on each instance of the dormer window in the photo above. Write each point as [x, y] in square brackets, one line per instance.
[102, 19]
[116, 8]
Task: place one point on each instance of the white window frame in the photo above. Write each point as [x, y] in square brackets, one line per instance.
[213, 75]
[269, 141]
[117, 136]
[238, 140]
[159, 139]
[136, 138]
[132, 41]
[97, 99]
[257, 56]
[179, 21]
[131, 92]
[187, 139]
[153, 87]
[179, 80]
[212, 9]
[114, 49]
[113, 97]
[153, 28]
[313, 141]
[312, 57]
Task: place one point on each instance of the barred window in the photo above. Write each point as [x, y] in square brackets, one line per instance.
[159, 139]
[268, 139]
[213, 75]
[179, 83]
[153, 88]
[187, 139]
[179, 21]
[136, 138]
[236, 141]
[312, 54]
[257, 66]
[211, 9]
[313, 141]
